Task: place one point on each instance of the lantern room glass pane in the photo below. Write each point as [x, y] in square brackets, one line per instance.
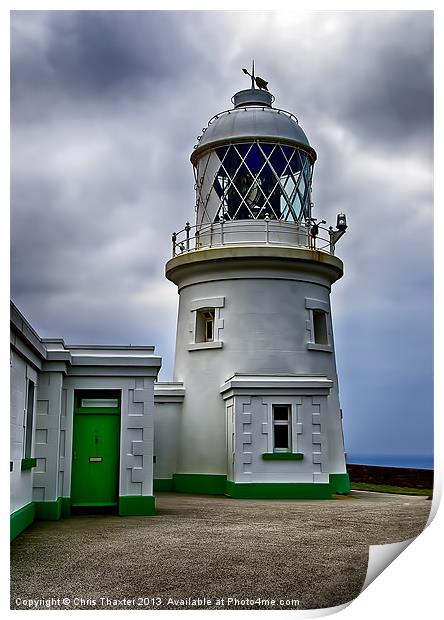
[255, 160]
[230, 162]
[267, 148]
[207, 198]
[295, 163]
[253, 180]
[221, 151]
[219, 185]
[243, 148]
[278, 161]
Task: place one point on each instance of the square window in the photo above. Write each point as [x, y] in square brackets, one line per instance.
[280, 413]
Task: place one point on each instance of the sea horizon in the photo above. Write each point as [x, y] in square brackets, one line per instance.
[417, 461]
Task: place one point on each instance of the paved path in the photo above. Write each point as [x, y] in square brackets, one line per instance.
[314, 552]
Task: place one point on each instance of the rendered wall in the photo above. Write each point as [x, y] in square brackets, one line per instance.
[167, 418]
[20, 481]
[252, 437]
[263, 328]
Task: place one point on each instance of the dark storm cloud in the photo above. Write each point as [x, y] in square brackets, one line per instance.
[102, 57]
[100, 53]
[391, 79]
[87, 53]
[106, 107]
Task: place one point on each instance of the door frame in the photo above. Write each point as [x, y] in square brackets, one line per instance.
[79, 410]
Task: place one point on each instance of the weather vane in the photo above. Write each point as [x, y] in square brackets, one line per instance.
[260, 83]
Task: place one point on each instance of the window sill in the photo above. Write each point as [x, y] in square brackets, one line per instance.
[28, 464]
[198, 346]
[319, 347]
[282, 456]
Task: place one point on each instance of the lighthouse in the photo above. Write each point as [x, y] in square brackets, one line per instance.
[261, 416]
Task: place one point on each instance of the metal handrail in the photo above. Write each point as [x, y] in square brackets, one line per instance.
[216, 234]
[278, 110]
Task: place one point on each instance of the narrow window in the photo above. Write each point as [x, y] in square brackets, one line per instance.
[205, 325]
[28, 420]
[320, 327]
[281, 428]
[209, 326]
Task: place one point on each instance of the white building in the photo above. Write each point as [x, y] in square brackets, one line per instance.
[253, 410]
[81, 427]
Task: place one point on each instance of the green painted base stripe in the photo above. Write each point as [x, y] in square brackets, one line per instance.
[21, 519]
[48, 511]
[214, 484]
[278, 490]
[340, 483]
[136, 505]
[163, 484]
[282, 456]
[93, 504]
[205, 484]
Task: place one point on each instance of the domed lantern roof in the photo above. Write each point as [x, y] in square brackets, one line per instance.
[253, 117]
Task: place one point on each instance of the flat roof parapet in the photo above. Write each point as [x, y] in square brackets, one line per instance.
[55, 350]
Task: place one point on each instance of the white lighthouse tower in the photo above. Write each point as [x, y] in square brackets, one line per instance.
[261, 416]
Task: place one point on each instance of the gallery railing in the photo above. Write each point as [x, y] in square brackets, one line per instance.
[253, 232]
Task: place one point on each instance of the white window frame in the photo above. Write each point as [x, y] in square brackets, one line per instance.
[313, 306]
[198, 308]
[287, 423]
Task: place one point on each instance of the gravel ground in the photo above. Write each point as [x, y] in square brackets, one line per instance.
[302, 554]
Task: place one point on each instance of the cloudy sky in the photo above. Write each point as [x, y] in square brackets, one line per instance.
[106, 107]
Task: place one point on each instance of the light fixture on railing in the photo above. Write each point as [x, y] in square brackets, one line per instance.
[335, 235]
[341, 222]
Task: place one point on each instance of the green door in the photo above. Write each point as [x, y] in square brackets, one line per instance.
[95, 460]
